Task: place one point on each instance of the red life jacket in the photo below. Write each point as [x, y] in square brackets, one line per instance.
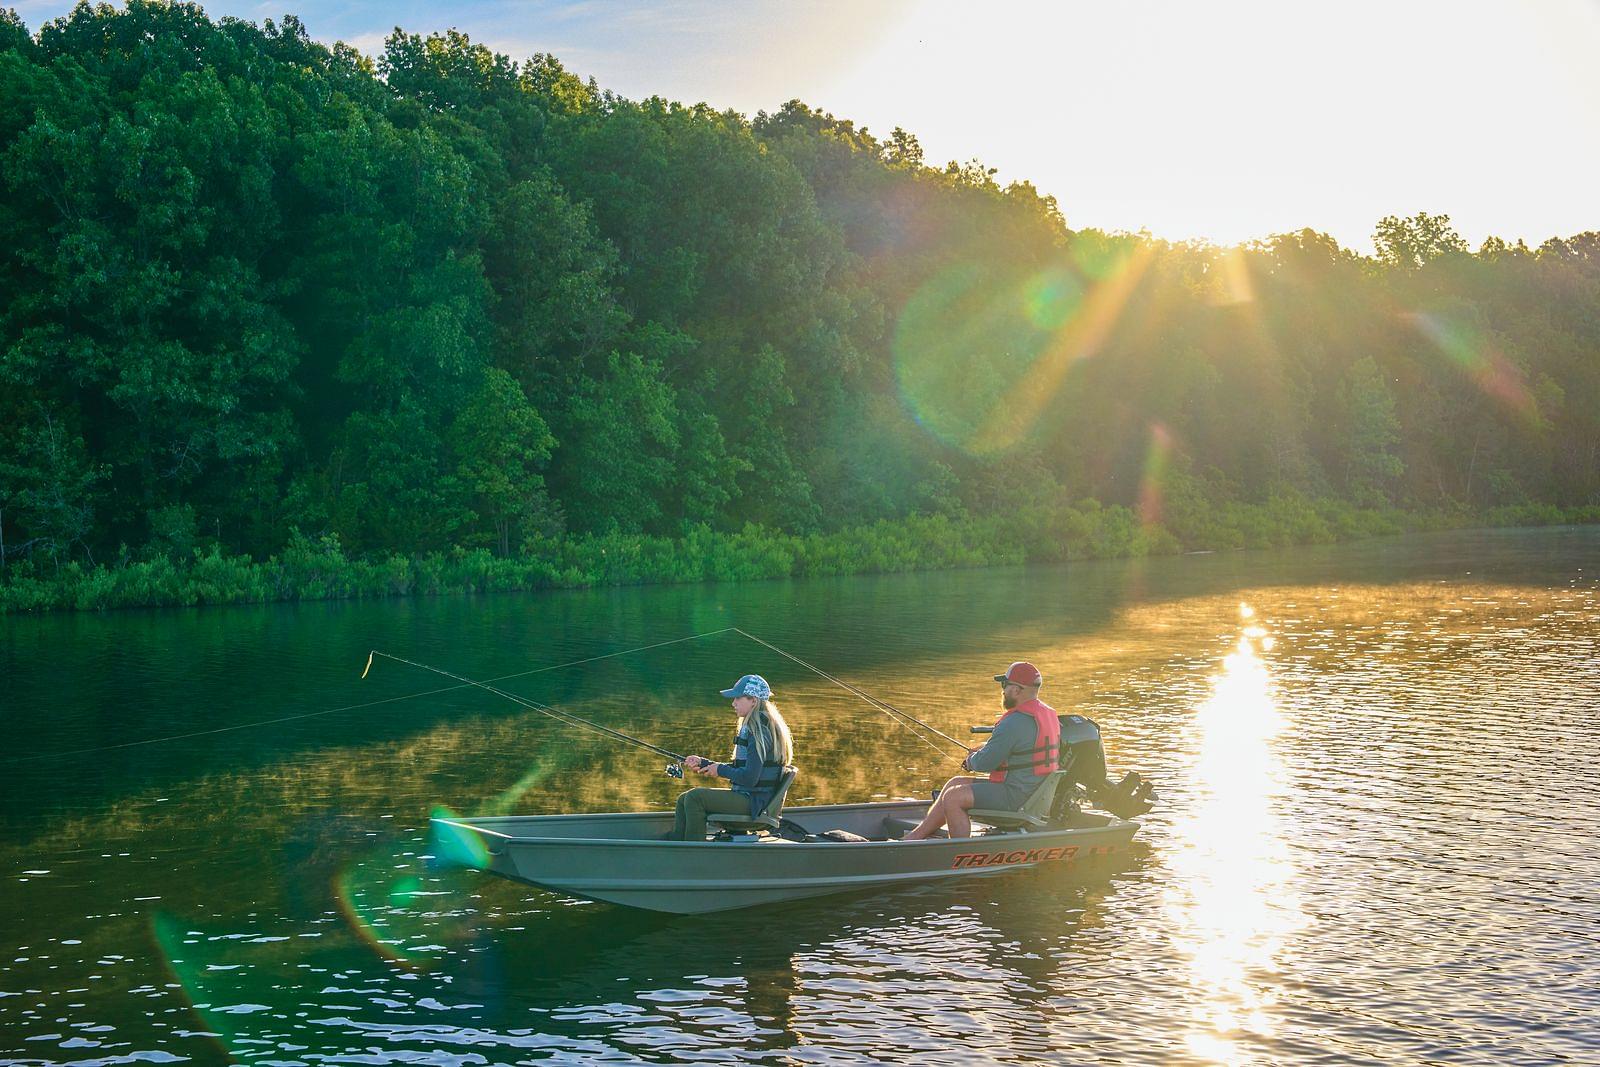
[1045, 756]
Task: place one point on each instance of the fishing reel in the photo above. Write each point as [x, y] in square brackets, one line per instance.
[674, 770]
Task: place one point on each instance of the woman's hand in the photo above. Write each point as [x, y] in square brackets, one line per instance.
[701, 765]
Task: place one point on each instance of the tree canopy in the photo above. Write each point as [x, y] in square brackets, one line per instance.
[256, 285]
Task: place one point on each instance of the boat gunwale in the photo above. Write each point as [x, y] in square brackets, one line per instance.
[1117, 824]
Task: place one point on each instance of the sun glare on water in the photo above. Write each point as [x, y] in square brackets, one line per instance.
[1232, 898]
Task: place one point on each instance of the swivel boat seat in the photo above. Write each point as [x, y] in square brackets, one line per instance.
[767, 819]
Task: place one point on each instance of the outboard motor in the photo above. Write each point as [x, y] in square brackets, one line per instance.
[1084, 760]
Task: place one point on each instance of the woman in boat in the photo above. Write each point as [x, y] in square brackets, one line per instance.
[761, 749]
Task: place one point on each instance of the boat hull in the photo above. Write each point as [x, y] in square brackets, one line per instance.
[621, 860]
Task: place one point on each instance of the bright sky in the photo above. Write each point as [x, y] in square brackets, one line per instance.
[1228, 120]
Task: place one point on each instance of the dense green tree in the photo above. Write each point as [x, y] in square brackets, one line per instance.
[555, 312]
[47, 481]
[141, 193]
[1416, 241]
[623, 438]
[1373, 467]
[255, 285]
[501, 446]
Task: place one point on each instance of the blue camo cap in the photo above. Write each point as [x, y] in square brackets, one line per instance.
[751, 685]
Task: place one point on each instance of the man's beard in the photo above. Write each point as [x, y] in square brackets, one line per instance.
[1008, 701]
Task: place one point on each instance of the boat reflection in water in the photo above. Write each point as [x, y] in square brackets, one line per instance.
[1232, 898]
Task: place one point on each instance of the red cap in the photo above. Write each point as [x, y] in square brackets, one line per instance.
[1021, 673]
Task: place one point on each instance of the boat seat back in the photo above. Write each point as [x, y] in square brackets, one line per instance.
[1034, 814]
[765, 819]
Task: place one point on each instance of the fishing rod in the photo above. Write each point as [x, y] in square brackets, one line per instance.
[903, 718]
[674, 769]
[347, 707]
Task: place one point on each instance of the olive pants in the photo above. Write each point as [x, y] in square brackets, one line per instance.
[690, 823]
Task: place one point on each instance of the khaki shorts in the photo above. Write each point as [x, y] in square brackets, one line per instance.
[998, 796]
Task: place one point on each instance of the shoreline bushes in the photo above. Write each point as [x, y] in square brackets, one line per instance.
[319, 569]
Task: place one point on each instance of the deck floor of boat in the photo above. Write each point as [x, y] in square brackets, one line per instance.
[894, 829]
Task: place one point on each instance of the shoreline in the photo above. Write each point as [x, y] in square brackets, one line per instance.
[318, 569]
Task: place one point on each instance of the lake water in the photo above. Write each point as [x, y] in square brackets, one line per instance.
[1375, 838]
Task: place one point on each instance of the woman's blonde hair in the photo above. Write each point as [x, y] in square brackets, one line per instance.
[776, 732]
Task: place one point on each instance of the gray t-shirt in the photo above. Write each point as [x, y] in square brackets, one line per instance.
[1014, 736]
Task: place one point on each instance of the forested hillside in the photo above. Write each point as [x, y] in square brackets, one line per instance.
[255, 290]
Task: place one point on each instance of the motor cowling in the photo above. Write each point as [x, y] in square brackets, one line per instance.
[1083, 757]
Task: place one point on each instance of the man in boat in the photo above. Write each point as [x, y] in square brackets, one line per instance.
[1024, 748]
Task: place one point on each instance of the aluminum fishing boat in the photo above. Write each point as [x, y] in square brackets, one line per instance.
[621, 859]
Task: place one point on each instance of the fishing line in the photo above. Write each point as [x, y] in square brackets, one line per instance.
[910, 722]
[349, 707]
[533, 705]
[902, 717]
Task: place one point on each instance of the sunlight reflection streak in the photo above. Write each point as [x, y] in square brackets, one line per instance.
[1233, 901]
